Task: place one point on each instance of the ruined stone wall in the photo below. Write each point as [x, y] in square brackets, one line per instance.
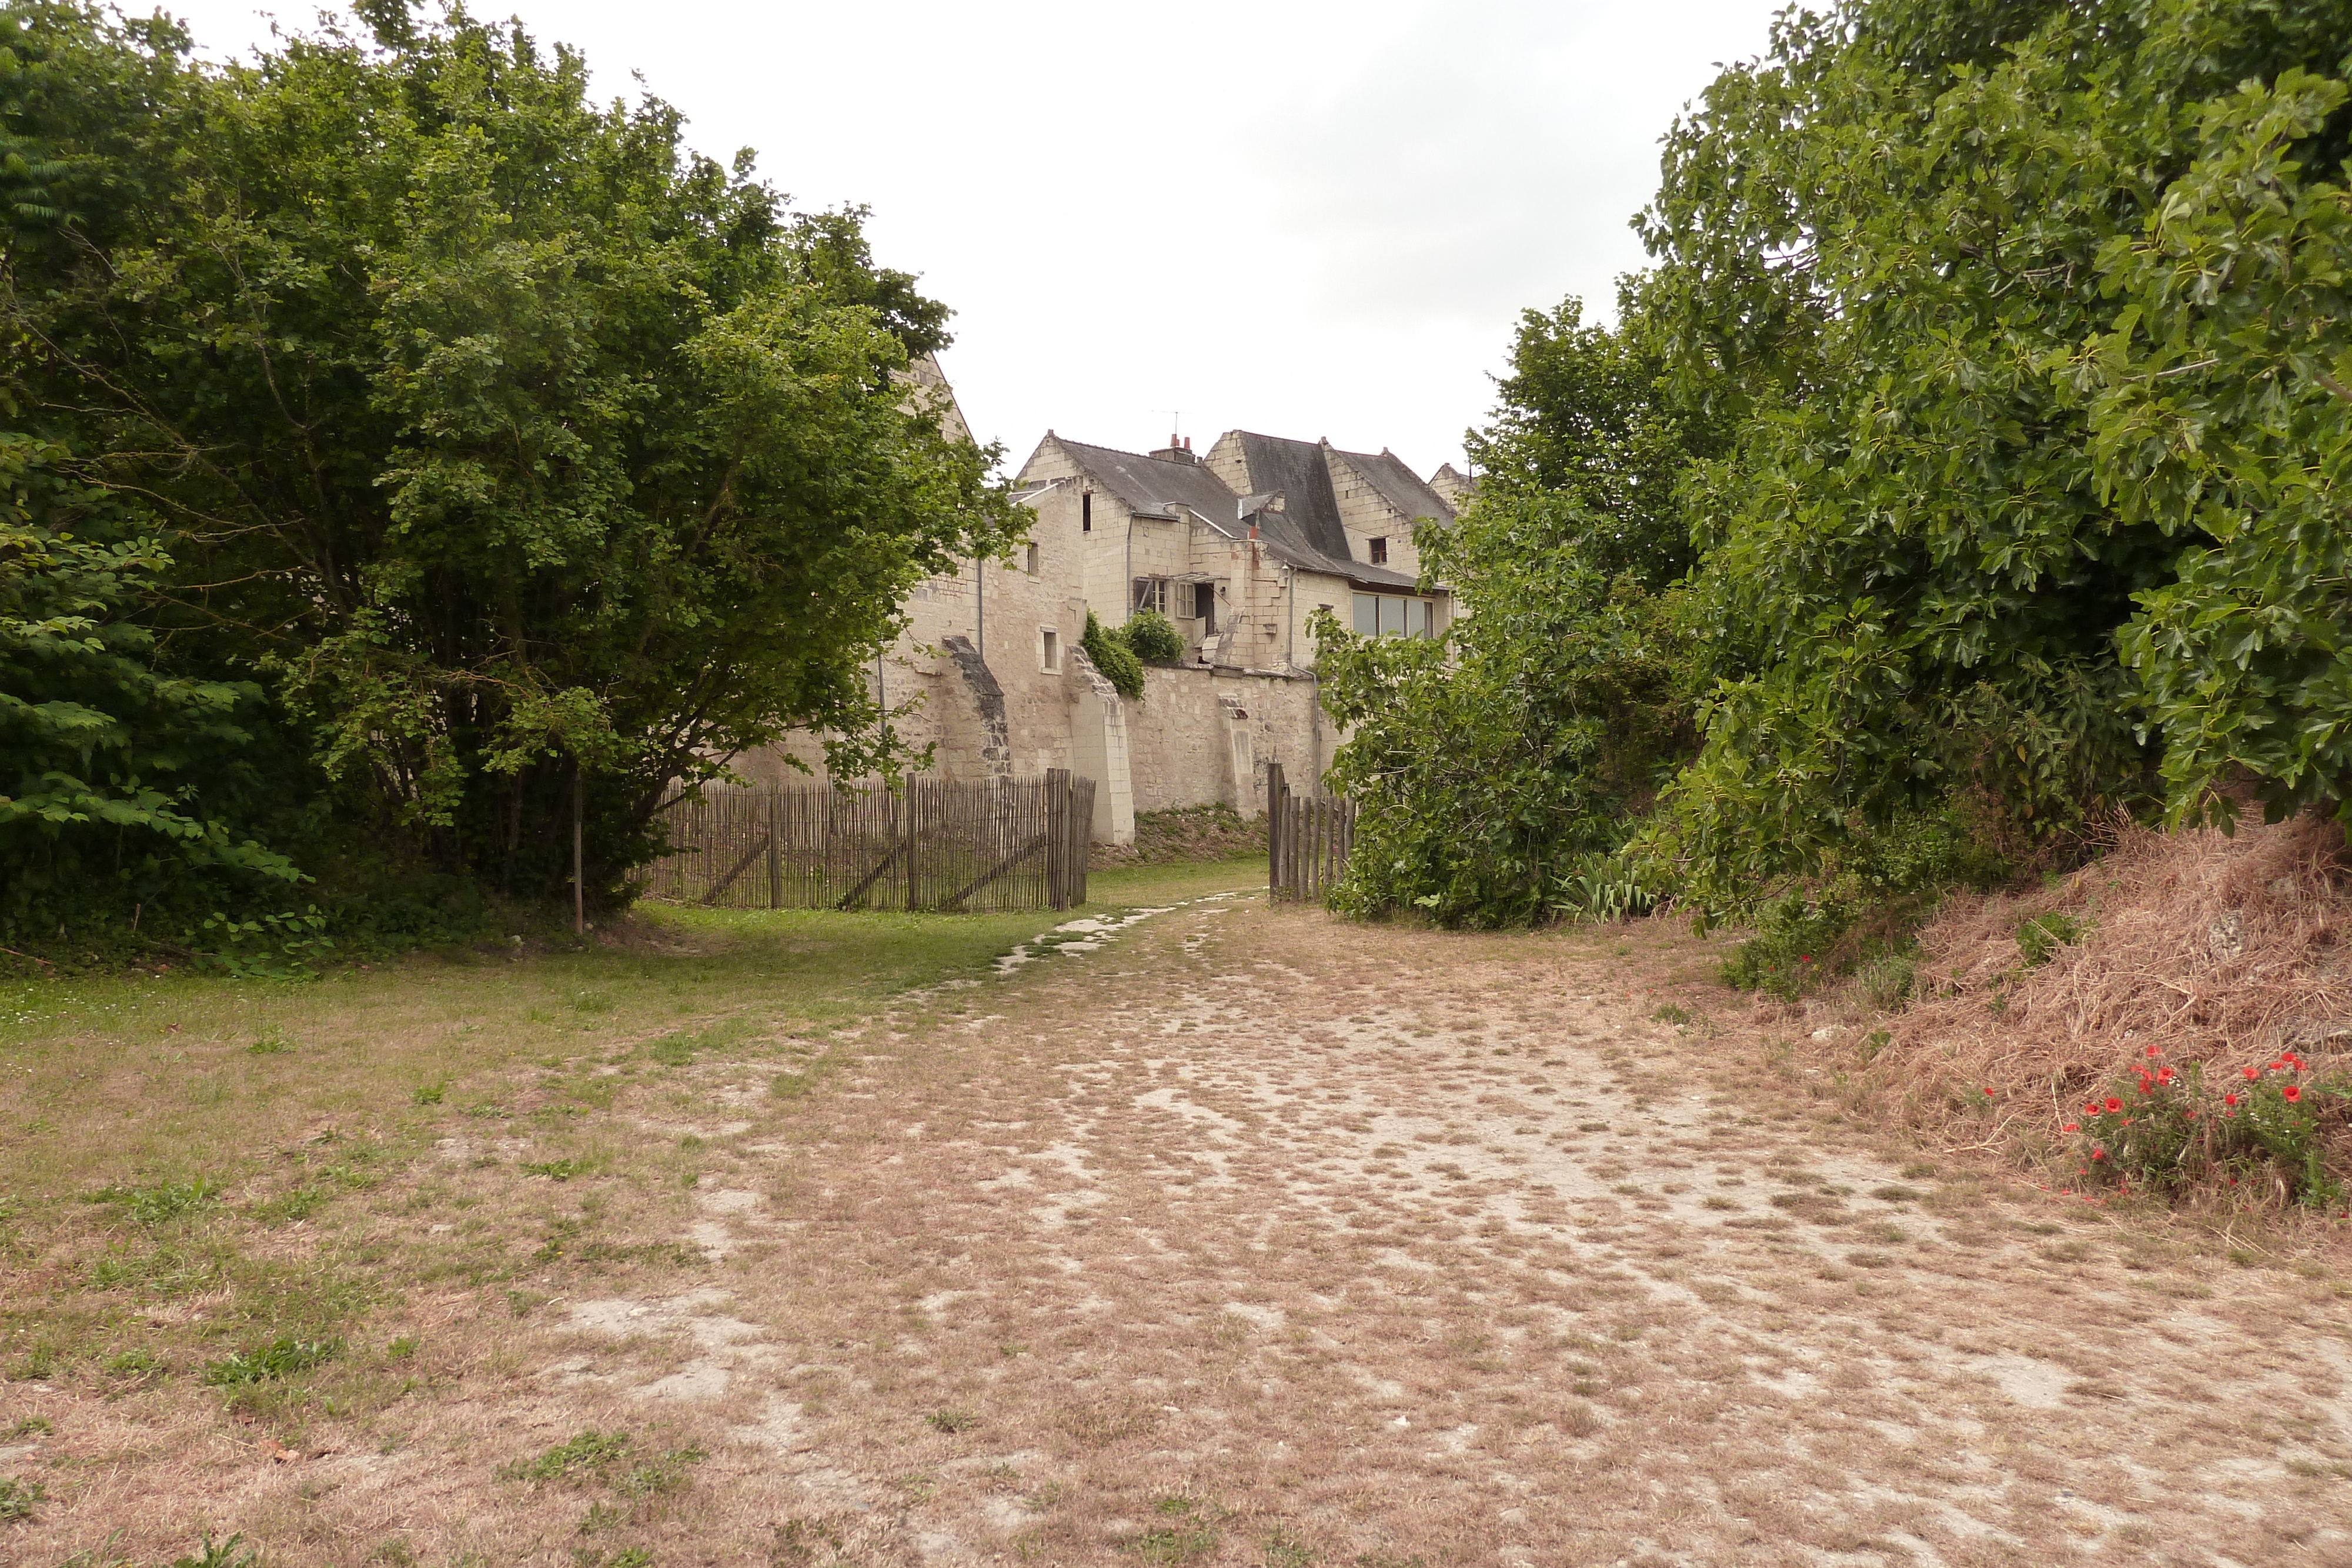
[1201, 737]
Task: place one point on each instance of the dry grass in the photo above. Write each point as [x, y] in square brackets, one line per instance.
[2219, 951]
[1256, 1238]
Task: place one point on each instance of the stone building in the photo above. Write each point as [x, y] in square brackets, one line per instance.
[1238, 547]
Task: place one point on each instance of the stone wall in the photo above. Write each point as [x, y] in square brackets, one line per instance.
[1201, 736]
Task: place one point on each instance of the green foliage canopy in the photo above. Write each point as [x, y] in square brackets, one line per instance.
[1902, 253]
[494, 431]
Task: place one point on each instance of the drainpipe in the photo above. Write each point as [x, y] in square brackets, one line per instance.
[1290, 641]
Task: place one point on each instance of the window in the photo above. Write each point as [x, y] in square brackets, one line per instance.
[1378, 615]
[1085, 512]
[1049, 650]
[1379, 552]
[1150, 593]
[1029, 562]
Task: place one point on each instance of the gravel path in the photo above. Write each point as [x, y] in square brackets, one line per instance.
[1256, 1238]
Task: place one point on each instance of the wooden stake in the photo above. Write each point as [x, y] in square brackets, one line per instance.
[579, 883]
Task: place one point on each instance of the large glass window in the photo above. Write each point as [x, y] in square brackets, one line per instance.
[1378, 615]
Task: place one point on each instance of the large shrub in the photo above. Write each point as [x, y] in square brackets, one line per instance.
[515, 450]
[2007, 303]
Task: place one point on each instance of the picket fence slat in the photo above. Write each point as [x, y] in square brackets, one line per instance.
[1308, 842]
[999, 844]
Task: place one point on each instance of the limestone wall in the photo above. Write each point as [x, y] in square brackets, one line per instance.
[1201, 736]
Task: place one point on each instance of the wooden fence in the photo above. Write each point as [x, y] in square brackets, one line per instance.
[1308, 840]
[1002, 845]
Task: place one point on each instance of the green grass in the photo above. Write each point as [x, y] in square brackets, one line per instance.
[145, 1142]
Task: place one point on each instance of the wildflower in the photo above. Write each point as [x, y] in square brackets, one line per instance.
[2154, 1051]
[1988, 1093]
[2292, 1091]
[2228, 1099]
[2114, 1105]
[2098, 1154]
[2280, 1067]
[2251, 1074]
[2073, 1127]
[2165, 1075]
[1804, 957]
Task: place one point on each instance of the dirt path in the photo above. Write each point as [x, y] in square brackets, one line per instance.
[1251, 1237]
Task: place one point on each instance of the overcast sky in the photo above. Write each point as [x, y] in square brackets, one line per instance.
[1310, 220]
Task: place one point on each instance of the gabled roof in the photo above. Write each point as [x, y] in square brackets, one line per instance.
[1296, 469]
[1306, 534]
[1154, 486]
[1286, 542]
[1399, 485]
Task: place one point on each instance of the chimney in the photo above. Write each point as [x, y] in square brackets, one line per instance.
[1178, 450]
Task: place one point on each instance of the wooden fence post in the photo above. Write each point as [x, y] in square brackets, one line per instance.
[1057, 835]
[775, 850]
[1277, 804]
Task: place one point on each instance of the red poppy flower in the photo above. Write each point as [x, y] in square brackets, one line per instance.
[2251, 1074]
[2153, 1051]
[2092, 1109]
[1989, 1095]
[2280, 1067]
[2114, 1104]
[2228, 1099]
[2098, 1154]
[2072, 1127]
[2165, 1075]
[2292, 1091]
[1804, 957]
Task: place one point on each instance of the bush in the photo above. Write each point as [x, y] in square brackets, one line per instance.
[2166, 1130]
[1114, 658]
[1153, 636]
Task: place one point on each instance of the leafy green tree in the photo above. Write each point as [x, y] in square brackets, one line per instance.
[2222, 413]
[1492, 768]
[108, 760]
[516, 448]
[1582, 414]
[1881, 252]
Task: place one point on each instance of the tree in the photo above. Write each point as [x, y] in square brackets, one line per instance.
[1881, 253]
[516, 449]
[1492, 768]
[1582, 414]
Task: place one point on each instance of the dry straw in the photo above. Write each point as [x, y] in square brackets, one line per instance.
[2218, 950]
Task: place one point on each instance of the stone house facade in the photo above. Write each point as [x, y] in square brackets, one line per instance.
[1238, 547]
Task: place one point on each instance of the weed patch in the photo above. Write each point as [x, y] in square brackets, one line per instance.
[282, 1357]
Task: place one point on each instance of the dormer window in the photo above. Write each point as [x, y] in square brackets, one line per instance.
[1379, 552]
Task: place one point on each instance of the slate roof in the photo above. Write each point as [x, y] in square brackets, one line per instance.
[1306, 534]
[1154, 486]
[1399, 485]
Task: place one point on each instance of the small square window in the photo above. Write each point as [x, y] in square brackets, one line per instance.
[1049, 650]
[1379, 552]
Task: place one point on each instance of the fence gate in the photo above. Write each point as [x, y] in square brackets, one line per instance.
[999, 844]
[1306, 841]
